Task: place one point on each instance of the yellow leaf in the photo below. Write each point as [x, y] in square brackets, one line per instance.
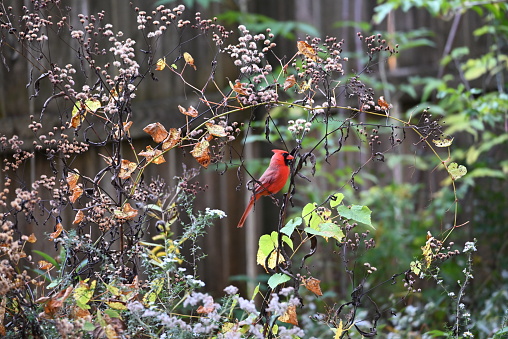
[161, 64]
[305, 86]
[117, 305]
[156, 288]
[189, 59]
[338, 331]
[443, 142]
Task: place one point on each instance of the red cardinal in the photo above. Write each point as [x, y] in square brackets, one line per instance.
[272, 181]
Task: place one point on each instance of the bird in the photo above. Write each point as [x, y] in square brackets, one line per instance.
[272, 181]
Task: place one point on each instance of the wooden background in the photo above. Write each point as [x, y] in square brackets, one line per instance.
[231, 251]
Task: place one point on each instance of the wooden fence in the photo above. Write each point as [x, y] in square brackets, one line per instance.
[230, 251]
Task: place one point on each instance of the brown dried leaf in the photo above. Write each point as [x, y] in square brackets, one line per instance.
[307, 50]
[312, 284]
[44, 265]
[189, 59]
[72, 180]
[79, 217]
[172, 139]
[78, 312]
[126, 213]
[289, 82]
[55, 303]
[216, 130]
[75, 194]
[239, 88]
[205, 309]
[56, 233]
[385, 106]
[289, 316]
[154, 154]
[127, 126]
[76, 120]
[192, 112]
[201, 153]
[126, 169]
[161, 64]
[31, 238]
[156, 131]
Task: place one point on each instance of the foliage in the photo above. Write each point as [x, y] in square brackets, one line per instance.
[111, 280]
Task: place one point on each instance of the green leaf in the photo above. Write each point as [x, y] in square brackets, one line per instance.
[255, 292]
[277, 279]
[438, 333]
[48, 258]
[327, 230]
[288, 241]
[416, 267]
[359, 25]
[54, 283]
[154, 207]
[88, 326]
[383, 10]
[356, 213]
[291, 225]
[156, 288]
[112, 313]
[266, 244]
[336, 200]
[310, 216]
[112, 289]
[501, 333]
[486, 172]
[83, 293]
[456, 171]
[474, 153]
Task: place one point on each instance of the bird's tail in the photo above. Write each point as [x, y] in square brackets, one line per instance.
[246, 213]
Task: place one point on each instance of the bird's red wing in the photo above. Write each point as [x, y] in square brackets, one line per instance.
[269, 182]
